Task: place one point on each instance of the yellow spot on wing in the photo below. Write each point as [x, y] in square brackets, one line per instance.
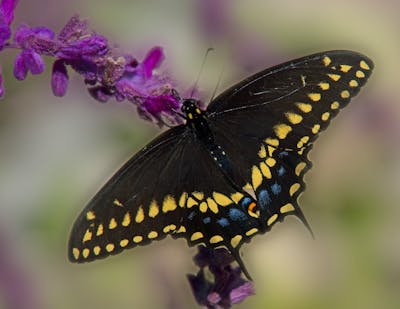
[76, 253]
[265, 170]
[299, 168]
[270, 162]
[198, 195]
[345, 94]
[216, 239]
[90, 215]
[335, 105]
[152, 235]
[272, 219]
[293, 117]
[137, 239]
[364, 65]
[181, 229]
[256, 177]
[85, 252]
[345, 68]
[139, 215]
[294, 188]
[360, 74]
[235, 241]
[191, 202]
[221, 199]
[169, 228]
[353, 83]
[153, 209]
[236, 197]
[113, 224]
[315, 128]
[127, 219]
[287, 208]
[118, 203]
[96, 250]
[87, 236]
[99, 230]
[304, 107]
[196, 236]
[203, 207]
[252, 231]
[282, 130]
[334, 77]
[323, 85]
[325, 116]
[182, 199]
[110, 247]
[262, 153]
[169, 204]
[272, 142]
[123, 243]
[326, 61]
[303, 141]
[315, 97]
[212, 205]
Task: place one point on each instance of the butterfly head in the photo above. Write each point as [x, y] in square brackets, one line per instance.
[191, 109]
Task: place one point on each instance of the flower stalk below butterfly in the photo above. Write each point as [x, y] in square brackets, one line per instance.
[106, 71]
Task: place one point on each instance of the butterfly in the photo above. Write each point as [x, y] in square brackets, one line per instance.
[231, 171]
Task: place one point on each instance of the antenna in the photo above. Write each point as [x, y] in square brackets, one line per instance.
[201, 70]
[218, 82]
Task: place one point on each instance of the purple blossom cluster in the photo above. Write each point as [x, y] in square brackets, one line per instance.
[106, 71]
[228, 287]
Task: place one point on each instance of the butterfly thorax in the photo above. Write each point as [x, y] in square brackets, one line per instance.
[196, 119]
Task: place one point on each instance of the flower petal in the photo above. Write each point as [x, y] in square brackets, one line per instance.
[100, 93]
[5, 34]
[59, 78]
[33, 61]
[7, 8]
[20, 69]
[84, 48]
[74, 29]
[242, 292]
[152, 60]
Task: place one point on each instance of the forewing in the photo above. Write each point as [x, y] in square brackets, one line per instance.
[267, 123]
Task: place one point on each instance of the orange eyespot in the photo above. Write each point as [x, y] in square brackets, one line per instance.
[253, 210]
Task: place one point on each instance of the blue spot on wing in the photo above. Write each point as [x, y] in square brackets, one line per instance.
[246, 201]
[191, 215]
[283, 154]
[236, 214]
[207, 220]
[276, 189]
[264, 199]
[223, 222]
[281, 171]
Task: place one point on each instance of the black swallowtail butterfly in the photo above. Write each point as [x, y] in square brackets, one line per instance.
[231, 171]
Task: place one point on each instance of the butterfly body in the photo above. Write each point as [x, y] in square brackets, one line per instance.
[231, 171]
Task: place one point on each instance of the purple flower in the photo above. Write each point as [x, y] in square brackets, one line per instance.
[6, 17]
[107, 72]
[228, 287]
[59, 78]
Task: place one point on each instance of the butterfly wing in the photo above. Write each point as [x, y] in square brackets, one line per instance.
[172, 186]
[267, 123]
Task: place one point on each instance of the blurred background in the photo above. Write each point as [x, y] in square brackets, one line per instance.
[56, 153]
